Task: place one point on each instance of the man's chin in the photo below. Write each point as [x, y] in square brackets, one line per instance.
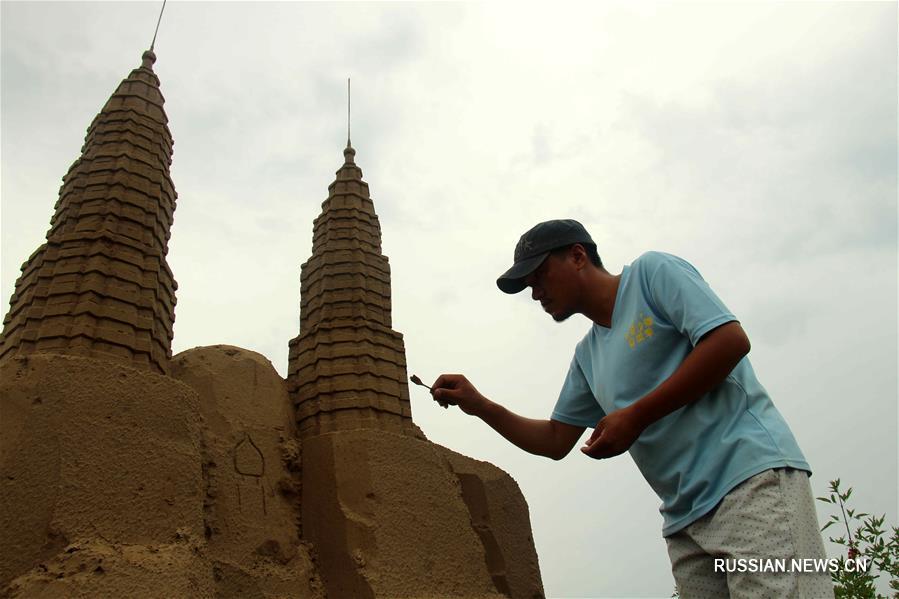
[561, 316]
[557, 316]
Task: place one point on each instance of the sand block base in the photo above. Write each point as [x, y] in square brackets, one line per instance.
[251, 466]
[93, 449]
[386, 516]
[500, 517]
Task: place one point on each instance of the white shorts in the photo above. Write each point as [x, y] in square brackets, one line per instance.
[767, 520]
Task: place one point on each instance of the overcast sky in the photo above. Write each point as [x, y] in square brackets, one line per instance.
[758, 141]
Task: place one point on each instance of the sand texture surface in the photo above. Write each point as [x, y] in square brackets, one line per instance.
[92, 450]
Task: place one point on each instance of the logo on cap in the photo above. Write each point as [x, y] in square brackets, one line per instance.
[524, 245]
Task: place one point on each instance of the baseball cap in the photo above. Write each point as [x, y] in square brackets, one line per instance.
[535, 245]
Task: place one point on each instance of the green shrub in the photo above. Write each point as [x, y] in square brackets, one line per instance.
[869, 540]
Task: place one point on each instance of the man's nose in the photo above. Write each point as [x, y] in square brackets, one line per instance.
[536, 293]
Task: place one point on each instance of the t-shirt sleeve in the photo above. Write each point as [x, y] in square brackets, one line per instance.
[683, 298]
[576, 404]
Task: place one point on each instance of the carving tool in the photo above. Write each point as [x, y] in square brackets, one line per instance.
[414, 378]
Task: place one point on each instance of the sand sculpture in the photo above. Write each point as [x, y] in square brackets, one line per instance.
[125, 471]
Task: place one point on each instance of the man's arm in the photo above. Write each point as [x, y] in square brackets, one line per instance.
[549, 438]
[704, 368]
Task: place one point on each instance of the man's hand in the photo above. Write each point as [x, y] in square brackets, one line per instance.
[613, 435]
[456, 390]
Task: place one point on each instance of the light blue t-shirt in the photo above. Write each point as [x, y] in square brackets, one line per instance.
[694, 456]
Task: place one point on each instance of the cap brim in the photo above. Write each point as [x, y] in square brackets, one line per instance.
[512, 281]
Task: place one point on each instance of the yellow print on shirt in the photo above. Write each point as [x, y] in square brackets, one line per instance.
[639, 331]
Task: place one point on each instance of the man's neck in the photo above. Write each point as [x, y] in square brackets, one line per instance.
[602, 288]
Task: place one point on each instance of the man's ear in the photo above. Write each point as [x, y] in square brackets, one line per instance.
[579, 253]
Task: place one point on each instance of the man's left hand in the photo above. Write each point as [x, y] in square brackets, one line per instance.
[613, 435]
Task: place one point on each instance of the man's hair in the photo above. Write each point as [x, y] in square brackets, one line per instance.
[592, 254]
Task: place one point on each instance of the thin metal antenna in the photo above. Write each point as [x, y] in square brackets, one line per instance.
[348, 112]
[153, 43]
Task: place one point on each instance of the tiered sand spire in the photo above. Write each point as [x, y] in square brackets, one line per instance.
[347, 367]
[100, 286]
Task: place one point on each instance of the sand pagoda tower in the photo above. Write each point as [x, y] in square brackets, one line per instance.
[347, 367]
[100, 285]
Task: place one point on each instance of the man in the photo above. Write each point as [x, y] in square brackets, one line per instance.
[662, 373]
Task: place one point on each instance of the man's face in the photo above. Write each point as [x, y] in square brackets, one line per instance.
[551, 285]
